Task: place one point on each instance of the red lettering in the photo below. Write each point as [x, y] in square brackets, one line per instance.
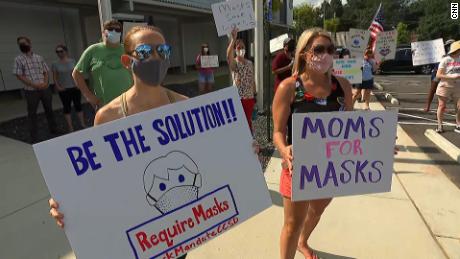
[198, 212]
[143, 240]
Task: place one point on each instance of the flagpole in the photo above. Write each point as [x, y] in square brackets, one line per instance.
[375, 15]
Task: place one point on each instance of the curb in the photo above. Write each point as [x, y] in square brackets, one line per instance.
[388, 96]
[444, 144]
[378, 86]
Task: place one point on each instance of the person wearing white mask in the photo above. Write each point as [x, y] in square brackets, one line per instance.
[242, 71]
[205, 74]
[101, 61]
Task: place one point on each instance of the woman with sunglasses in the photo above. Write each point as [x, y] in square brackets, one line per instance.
[312, 88]
[147, 56]
[243, 75]
[205, 74]
[65, 85]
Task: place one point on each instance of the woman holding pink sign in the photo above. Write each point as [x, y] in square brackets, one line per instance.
[312, 88]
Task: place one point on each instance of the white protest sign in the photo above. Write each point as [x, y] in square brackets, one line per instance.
[234, 13]
[277, 43]
[385, 47]
[129, 25]
[350, 69]
[209, 61]
[159, 183]
[427, 52]
[357, 41]
[342, 153]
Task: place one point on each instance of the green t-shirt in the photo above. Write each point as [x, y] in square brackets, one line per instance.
[108, 77]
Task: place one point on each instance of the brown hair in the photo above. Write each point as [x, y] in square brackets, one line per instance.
[62, 46]
[111, 23]
[128, 44]
[22, 38]
[304, 43]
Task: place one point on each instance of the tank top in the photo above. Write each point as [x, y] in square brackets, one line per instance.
[124, 103]
[304, 102]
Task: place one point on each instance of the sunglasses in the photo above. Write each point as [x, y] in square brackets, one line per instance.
[321, 49]
[145, 51]
[114, 29]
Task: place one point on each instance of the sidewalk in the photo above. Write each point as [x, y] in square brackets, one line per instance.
[417, 219]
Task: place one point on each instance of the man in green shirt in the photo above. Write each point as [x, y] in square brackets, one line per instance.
[101, 61]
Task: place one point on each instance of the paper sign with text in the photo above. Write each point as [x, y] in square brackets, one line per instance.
[277, 43]
[234, 13]
[158, 183]
[427, 52]
[342, 153]
[385, 47]
[350, 69]
[209, 61]
[357, 41]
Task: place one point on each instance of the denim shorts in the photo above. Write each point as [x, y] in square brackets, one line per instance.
[206, 78]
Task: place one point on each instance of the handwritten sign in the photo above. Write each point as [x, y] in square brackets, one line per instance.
[156, 184]
[235, 13]
[427, 52]
[349, 69]
[342, 153]
[278, 43]
[385, 47]
[209, 61]
[357, 41]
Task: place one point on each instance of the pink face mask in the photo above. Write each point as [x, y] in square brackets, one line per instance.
[321, 63]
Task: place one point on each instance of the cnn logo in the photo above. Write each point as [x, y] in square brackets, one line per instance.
[454, 11]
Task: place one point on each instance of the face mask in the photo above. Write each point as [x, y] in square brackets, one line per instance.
[205, 50]
[321, 63]
[241, 52]
[151, 71]
[176, 197]
[24, 48]
[113, 36]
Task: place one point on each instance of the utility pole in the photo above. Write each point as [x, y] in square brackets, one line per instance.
[105, 11]
[259, 52]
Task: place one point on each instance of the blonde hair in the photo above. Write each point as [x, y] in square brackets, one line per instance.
[303, 44]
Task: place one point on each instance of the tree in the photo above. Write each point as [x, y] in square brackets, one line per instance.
[326, 10]
[337, 8]
[305, 16]
[332, 24]
[403, 33]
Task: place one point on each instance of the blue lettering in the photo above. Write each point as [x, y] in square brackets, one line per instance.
[375, 128]
[359, 170]
[331, 127]
[379, 172]
[218, 113]
[169, 121]
[309, 176]
[345, 178]
[355, 126]
[129, 141]
[77, 159]
[196, 112]
[330, 173]
[307, 124]
[157, 124]
[112, 139]
[141, 138]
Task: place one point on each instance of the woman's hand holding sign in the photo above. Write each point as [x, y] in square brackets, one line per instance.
[286, 154]
[54, 212]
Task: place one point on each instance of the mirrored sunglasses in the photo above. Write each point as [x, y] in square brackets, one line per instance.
[145, 51]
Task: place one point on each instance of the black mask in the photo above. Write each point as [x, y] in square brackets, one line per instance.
[24, 48]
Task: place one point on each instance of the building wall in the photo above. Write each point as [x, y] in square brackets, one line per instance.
[46, 27]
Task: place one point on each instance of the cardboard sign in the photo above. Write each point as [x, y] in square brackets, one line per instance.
[209, 61]
[349, 69]
[342, 153]
[235, 13]
[357, 41]
[278, 43]
[158, 183]
[385, 47]
[427, 52]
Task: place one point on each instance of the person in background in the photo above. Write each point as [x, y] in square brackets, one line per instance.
[32, 71]
[434, 79]
[101, 61]
[205, 75]
[449, 85]
[282, 63]
[312, 88]
[364, 89]
[242, 71]
[65, 85]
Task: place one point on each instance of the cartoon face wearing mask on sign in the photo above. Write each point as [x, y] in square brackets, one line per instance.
[171, 181]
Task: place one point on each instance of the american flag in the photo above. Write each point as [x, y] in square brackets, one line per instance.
[376, 26]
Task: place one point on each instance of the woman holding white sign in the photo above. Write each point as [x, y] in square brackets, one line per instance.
[312, 88]
[205, 74]
[449, 86]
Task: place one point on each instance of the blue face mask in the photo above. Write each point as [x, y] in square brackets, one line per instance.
[113, 37]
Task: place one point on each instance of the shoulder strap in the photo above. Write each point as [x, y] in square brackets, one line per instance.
[124, 105]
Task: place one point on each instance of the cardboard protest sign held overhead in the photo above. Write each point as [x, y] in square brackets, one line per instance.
[158, 183]
[277, 43]
[209, 61]
[385, 47]
[342, 153]
[234, 13]
[349, 69]
[427, 52]
[357, 41]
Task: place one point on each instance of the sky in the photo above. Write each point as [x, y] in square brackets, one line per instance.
[313, 2]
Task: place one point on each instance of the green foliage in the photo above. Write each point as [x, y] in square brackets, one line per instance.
[305, 16]
[403, 33]
[332, 24]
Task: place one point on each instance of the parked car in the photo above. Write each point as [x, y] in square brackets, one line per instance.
[403, 63]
